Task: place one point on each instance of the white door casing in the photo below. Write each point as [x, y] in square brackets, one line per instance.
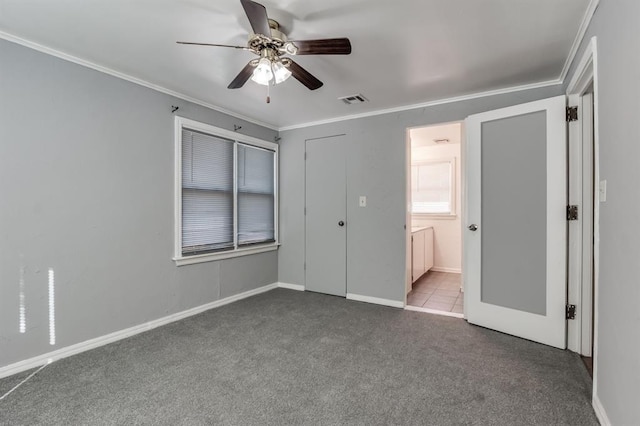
[583, 192]
[517, 218]
[325, 218]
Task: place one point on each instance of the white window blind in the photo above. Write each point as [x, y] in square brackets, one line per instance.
[255, 195]
[228, 192]
[432, 188]
[207, 193]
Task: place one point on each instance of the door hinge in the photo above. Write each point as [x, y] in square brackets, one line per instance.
[305, 211]
[571, 312]
[572, 113]
[305, 266]
[572, 212]
[305, 156]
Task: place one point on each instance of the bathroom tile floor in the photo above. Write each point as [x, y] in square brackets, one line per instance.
[437, 290]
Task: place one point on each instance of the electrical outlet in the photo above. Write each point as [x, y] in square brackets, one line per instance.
[363, 201]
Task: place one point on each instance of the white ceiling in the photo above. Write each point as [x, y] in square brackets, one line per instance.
[405, 52]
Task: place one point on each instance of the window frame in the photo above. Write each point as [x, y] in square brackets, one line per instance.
[452, 190]
[185, 123]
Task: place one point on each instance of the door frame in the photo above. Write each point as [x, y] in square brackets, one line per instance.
[461, 210]
[580, 330]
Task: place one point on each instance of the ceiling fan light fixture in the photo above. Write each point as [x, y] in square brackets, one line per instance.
[263, 73]
[289, 48]
[280, 72]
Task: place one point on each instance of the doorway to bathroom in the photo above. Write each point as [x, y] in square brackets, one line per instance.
[434, 213]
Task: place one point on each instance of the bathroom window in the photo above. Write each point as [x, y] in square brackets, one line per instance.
[433, 187]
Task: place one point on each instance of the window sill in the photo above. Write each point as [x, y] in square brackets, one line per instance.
[210, 257]
[434, 216]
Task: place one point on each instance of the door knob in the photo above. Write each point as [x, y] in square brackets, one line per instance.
[341, 223]
[473, 227]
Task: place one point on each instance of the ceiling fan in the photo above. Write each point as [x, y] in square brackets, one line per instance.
[271, 45]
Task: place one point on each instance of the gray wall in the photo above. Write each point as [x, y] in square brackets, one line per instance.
[617, 26]
[375, 150]
[86, 185]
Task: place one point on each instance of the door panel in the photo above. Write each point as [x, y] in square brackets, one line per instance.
[515, 260]
[513, 168]
[326, 243]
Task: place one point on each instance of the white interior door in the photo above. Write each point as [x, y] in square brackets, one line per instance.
[326, 222]
[516, 237]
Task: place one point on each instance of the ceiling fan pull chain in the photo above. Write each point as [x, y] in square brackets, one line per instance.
[268, 97]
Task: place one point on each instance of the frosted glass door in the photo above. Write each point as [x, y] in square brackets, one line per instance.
[515, 241]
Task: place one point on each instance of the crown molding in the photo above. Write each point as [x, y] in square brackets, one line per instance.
[582, 30]
[106, 70]
[425, 104]
[593, 5]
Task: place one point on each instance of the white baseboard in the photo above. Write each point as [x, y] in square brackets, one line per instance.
[433, 311]
[448, 270]
[291, 286]
[375, 300]
[67, 351]
[600, 413]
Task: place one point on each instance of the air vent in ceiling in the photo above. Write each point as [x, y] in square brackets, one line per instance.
[354, 99]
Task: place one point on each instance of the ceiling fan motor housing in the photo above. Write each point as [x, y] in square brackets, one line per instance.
[276, 42]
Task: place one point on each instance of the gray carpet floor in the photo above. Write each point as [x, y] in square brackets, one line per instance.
[287, 357]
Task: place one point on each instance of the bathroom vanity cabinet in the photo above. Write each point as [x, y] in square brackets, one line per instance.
[421, 251]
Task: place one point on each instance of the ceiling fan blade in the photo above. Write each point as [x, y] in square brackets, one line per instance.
[242, 78]
[258, 18]
[303, 76]
[327, 46]
[212, 44]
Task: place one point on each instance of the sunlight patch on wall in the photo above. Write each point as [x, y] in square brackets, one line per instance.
[22, 308]
[52, 308]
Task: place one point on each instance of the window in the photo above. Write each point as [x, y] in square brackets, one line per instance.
[432, 187]
[226, 193]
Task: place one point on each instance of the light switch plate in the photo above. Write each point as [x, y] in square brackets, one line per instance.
[363, 201]
[602, 191]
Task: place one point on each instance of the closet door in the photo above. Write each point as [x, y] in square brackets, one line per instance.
[325, 218]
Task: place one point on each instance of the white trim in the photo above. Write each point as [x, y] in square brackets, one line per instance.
[376, 300]
[425, 104]
[209, 257]
[601, 414]
[408, 219]
[67, 351]
[297, 287]
[22, 382]
[582, 30]
[433, 311]
[228, 134]
[109, 71]
[579, 83]
[447, 270]
[185, 123]
[583, 74]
